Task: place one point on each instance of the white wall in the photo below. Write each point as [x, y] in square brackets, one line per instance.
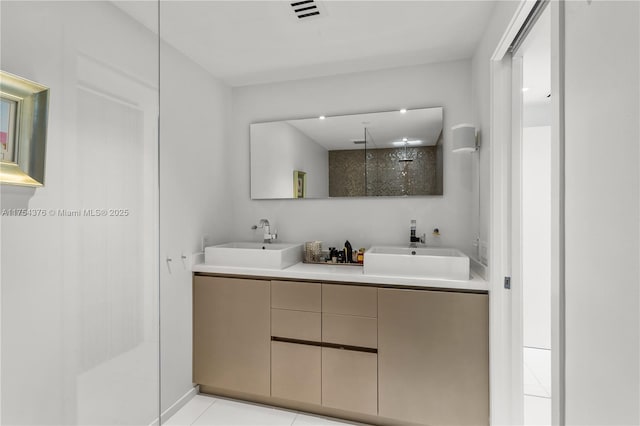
[277, 150]
[80, 295]
[78, 323]
[363, 221]
[536, 236]
[195, 200]
[481, 66]
[602, 276]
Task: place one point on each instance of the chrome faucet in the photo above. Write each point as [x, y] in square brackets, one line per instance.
[414, 240]
[268, 236]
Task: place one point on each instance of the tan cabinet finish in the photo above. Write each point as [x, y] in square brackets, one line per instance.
[350, 300]
[296, 372]
[296, 324]
[350, 330]
[433, 357]
[385, 356]
[296, 296]
[350, 380]
[231, 334]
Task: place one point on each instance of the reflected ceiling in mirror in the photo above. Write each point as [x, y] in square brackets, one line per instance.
[394, 153]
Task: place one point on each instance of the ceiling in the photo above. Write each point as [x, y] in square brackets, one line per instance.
[420, 126]
[252, 42]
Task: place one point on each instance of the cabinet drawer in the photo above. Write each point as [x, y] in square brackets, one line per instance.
[296, 296]
[295, 372]
[350, 300]
[350, 380]
[350, 330]
[296, 324]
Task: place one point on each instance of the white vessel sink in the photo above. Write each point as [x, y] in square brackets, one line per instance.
[423, 262]
[254, 255]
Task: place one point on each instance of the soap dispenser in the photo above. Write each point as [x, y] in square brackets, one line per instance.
[348, 252]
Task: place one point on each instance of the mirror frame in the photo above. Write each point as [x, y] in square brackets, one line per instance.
[29, 137]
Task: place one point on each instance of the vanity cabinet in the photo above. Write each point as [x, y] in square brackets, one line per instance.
[296, 322]
[231, 334]
[433, 356]
[377, 355]
[349, 359]
[323, 345]
[349, 315]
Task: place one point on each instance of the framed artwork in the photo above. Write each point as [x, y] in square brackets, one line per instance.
[23, 130]
[299, 184]
[8, 111]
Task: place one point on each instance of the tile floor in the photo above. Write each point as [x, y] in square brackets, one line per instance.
[204, 410]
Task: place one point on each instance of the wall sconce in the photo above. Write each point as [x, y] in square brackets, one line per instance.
[465, 138]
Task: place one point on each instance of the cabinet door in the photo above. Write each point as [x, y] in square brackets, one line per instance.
[295, 372]
[433, 357]
[350, 380]
[231, 334]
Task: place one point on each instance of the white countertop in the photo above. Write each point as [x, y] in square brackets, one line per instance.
[343, 273]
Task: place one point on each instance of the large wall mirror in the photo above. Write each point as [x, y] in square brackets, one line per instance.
[395, 153]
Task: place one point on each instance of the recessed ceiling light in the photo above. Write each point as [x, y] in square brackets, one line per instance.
[322, 117]
[524, 89]
[403, 110]
[404, 139]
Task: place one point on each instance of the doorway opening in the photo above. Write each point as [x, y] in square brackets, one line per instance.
[533, 59]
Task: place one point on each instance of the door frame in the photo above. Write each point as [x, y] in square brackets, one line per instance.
[505, 261]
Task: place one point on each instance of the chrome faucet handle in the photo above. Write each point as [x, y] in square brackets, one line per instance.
[264, 223]
[422, 239]
[269, 237]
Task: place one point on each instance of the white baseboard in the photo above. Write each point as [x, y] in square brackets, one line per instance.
[166, 414]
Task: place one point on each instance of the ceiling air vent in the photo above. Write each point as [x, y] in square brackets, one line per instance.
[305, 8]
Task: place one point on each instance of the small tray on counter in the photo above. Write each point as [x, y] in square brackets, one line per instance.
[333, 264]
